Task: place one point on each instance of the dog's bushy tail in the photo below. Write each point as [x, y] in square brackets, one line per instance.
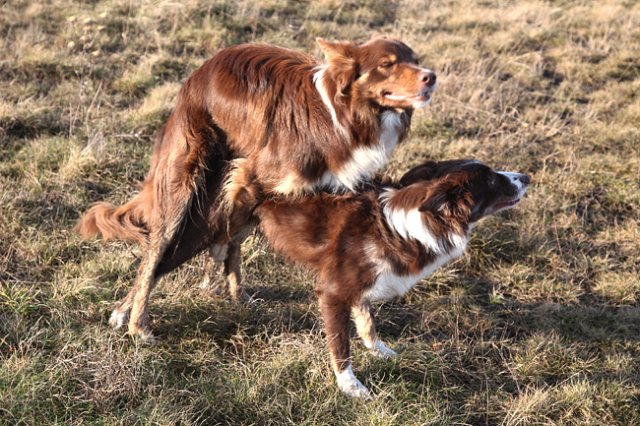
[126, 222]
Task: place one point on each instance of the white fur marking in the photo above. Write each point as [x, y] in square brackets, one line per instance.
[350, 385]
[365, 161]
[390, 128]
[293, 184]
[380, 350]
[118, 318]
[514, 178]
[318, 80]
[409, 224]
[389, 284]
[219, 252]
[422, 104]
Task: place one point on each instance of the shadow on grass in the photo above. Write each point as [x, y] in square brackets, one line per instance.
[287, 309]
[46, 213]
[223, 320]
[32, 126]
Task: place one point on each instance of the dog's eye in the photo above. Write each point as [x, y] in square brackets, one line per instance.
[386, 64]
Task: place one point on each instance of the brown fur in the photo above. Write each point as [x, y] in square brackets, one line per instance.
[260, 103]
[125, 222]
[344, 239]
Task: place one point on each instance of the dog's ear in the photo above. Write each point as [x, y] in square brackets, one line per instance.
[419, 173]
[342, 63]
[336, 52]
[448, 199]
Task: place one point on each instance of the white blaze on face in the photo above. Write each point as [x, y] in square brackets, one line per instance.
[515, 179]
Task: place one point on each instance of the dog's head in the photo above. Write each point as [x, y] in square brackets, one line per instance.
[383, 71]
[465, 186]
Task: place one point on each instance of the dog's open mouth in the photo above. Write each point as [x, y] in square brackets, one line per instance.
[423, 97]
[507, 204]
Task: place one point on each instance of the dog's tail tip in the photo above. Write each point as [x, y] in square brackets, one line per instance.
[87, 226]
[124, 223]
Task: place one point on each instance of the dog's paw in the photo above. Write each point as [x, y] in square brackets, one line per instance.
[119, 318]
[140, 328]
[148, 338]
[249, 299]
[351, 386]
[144, 334]
[381, 351]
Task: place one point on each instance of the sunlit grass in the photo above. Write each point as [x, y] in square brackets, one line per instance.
[537, 324]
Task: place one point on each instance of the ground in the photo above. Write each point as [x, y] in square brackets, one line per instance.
[538, 323]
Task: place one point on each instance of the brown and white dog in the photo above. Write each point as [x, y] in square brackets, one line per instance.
[378, 244]
[299, 124]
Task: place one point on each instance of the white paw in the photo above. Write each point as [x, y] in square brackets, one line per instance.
[118, 318]
[381, 351]
[250, 300]
[142, 334]
[147, 338]
[205, 284]
[350, 385]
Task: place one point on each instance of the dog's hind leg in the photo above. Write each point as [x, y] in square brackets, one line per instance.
[361, 313]
[138, 298]
[174, 193]
[133, 309]
[232, 273]
[168, 228]
[145, 282]
[230, 255]
[215, 255]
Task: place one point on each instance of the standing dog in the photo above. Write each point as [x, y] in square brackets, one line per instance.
[299, 125]
[378, 244]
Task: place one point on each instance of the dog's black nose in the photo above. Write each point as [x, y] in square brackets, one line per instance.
[428, 77]
[525, 179]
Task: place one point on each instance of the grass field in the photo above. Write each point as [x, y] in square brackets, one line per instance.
[539, 323]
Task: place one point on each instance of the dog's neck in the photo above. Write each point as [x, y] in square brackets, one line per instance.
[439, 232]
[327, 89]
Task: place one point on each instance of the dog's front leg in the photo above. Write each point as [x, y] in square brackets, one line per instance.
[336, 319]
[367, 331]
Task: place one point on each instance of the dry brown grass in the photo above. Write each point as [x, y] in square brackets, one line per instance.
[537, 324]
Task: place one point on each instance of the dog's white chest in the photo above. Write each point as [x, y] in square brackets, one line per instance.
[389, 284]
[367, 160]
